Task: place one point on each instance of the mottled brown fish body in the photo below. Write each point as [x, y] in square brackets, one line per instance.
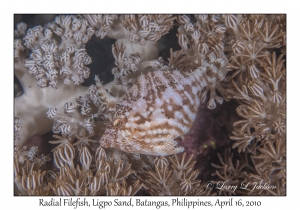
[159, 107]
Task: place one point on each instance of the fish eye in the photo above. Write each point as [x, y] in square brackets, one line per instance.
[118, 123]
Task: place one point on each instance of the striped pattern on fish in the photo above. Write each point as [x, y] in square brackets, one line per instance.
[160, 106]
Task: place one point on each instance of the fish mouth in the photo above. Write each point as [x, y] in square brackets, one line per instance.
[108, 137]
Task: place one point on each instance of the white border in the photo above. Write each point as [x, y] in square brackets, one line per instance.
[8, 8]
